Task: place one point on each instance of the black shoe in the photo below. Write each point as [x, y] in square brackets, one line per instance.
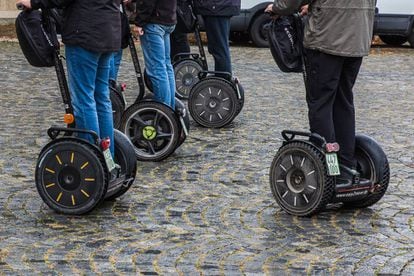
[350, 177]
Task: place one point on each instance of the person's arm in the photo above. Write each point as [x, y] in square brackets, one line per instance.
[145, 9]
[286, 7]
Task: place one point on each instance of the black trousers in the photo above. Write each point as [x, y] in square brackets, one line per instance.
[218, 32]
[179, 43]
[330, 100]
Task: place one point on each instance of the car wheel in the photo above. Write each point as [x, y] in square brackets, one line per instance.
[257, 31]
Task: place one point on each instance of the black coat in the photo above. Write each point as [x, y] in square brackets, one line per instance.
[156, 11]
[91, 24]
[217, 7]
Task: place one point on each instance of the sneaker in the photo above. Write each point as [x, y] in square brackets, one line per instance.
[350, 177]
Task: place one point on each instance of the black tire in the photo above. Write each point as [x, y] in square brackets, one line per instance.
[152, 128]
[373, 165]
[118, 106]
[125, 157]
[411, 38]
[213, 102]
[240, 103]
[299, 180]
[393, 40]
[186, 76]
[71, 176]
[181, 109]
[257, 32]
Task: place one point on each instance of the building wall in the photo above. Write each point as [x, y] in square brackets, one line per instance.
[8, 12]
[8, 9]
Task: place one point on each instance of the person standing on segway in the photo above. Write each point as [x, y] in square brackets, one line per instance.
[216, 16]
[337, 35]
[91, 33]
[155, 21]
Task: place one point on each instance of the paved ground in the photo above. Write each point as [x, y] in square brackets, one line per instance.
[208, 208]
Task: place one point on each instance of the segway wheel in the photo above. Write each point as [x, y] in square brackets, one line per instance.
[299, 180]
[186, 76]
[71, 176]
[372, 164]
[213, 102]
[118, 107]
[125, 157]
[153, 130]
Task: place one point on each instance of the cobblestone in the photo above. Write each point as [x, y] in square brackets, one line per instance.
[208, 208]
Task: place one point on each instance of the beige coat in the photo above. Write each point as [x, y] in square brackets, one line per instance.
[337, 27]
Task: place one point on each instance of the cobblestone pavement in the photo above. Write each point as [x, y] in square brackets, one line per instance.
[208, 208]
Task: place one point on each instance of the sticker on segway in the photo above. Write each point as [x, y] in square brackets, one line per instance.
[333, 164]
[108, 160]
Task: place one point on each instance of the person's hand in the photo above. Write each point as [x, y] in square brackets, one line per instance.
[126, 1]
[25, 3]
[304, 10]
[269, 9]
[137, 31]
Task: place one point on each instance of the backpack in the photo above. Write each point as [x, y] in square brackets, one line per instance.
[285, 35]
[186, 19]
[37, 38]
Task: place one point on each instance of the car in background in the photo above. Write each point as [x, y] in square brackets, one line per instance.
[394, 21]
[250, 22]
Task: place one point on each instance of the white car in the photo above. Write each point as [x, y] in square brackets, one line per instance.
[251, 21]
[394, 21]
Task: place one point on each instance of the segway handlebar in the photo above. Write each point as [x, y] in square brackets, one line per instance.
[289, 135]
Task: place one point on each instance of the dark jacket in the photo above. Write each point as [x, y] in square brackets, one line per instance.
[91, 24]
[156, 11]
[217, 7]
[336, 27]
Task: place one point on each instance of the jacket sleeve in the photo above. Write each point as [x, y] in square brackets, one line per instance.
[287, 7]
[145, 9]
[38, 4]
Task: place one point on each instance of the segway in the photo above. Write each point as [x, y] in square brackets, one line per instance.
[72, 175]
[154, 129]
[303, 172]
[187, 66]
[214, 98]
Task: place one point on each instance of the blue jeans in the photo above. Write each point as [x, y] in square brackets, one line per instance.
[114, 65]
[155, 44]
[88, 76]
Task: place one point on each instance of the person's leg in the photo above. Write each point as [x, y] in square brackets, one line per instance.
[218, 31]
[323, 72]
[115, 62]
[344, 112]
[153, 47]
[82, 66]
[102, 99]
[170, 69]
[179, 43]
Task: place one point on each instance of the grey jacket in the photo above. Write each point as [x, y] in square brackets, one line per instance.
[337, 27]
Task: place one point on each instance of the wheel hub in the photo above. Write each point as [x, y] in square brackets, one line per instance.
[149, 132]
[69, 178]
[213, 103]
[188, 79]
[296, 180]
